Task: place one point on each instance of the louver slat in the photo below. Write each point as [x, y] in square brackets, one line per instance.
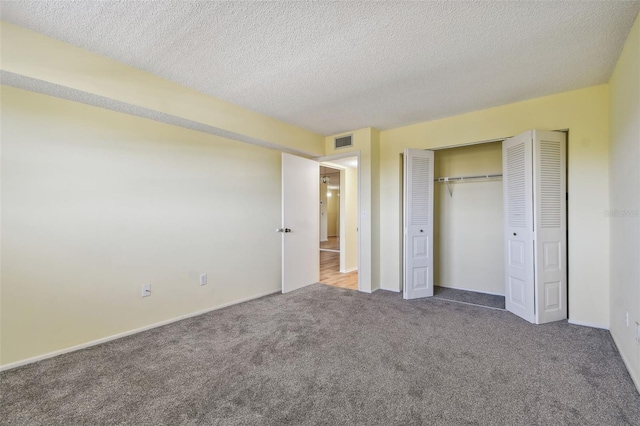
[516, 207]
[550, 184]
[421, 197]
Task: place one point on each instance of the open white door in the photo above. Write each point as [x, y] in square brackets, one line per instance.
[518, 217]
[550, 225]
[418, 224]
[300, 222]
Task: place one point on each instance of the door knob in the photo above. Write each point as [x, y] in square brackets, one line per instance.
[421, 230]
[287, 230]
[514, 234]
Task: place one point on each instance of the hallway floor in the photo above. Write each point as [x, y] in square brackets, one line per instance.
[330, 272]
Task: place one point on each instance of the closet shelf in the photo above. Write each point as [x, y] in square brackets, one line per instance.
[467, 178]
[462, 179]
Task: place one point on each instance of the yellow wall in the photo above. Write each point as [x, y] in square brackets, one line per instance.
[333, 212]
[46, 291]
[585, 113]
[468, 224]
[36, 56]
[96, 203]
[625, 199]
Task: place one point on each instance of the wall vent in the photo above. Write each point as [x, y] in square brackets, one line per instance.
[343, 142]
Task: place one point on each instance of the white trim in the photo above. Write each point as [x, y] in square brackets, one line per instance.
[627, 363]
[586, 324]
[468, 289]
[127, 333]
[355, 268]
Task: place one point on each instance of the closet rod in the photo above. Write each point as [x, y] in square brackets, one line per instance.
[449, 180]
[463, 178]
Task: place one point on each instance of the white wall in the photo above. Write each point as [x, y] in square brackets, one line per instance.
[468, 224]
[96, 203]
[349, 232]
[624, 208]
[324, 222]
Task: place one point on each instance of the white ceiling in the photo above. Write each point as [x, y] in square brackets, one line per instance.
[336, 66]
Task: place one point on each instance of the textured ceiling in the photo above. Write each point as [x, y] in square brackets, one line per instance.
[337, 66]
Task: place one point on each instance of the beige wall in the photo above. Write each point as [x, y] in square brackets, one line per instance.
[96, 203]
[585, 113]
[468, 224]
[625, 201]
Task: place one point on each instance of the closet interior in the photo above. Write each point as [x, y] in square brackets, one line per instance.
[468, 244]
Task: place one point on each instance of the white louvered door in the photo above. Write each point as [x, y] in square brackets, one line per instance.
[549, 190]
[418, 224]
[517, 176]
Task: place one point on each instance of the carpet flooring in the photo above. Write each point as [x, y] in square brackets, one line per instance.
[325, 356]
[472, 297]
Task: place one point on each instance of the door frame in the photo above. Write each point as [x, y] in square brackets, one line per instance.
[329, 159]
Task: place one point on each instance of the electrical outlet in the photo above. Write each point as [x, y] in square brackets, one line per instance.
[203, 279]
[146, 290]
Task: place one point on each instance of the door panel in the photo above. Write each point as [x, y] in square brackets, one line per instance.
[518, 218]
[418, 224]
[300, 222]
[549, 171]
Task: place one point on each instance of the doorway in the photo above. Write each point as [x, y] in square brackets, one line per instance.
[329, 209]
[338, 210]
[468, 224]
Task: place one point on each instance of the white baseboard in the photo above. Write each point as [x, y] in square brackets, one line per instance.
[627, 363]
[330, 250]
[125, 333]
[586, 324]
[349, 270]
[471, 289]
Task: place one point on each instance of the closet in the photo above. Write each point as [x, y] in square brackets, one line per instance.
[499, 222]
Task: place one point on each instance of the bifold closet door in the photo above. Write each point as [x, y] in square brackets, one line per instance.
[535, 212]
[418, 224]
[517, 180]
[550, 224]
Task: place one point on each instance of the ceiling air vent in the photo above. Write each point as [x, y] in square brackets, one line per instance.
[343, 142]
